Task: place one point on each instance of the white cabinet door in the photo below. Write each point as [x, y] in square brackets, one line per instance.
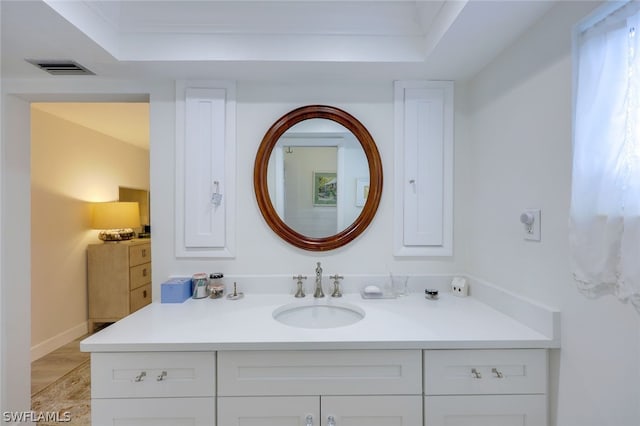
[392, 410]
[205, 169]
[153, 412]
[269, 411]
[486, 410]
[423, 168]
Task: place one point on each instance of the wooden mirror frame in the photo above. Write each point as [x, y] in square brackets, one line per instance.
[269, 213]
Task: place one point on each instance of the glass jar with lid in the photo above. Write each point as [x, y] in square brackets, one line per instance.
[216, 285]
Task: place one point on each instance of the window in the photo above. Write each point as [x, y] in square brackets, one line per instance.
[605, 199]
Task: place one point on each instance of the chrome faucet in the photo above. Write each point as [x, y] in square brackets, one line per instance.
[318, 290]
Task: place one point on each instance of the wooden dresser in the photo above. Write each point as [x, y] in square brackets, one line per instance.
[119, 279]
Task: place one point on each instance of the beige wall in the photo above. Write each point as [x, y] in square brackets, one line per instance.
[71, 166]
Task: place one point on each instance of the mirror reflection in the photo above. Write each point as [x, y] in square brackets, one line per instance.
[318, 177]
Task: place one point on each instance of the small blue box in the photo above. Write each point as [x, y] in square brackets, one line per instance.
[175, 290]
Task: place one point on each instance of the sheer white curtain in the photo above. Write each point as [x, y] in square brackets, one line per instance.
[605, 199]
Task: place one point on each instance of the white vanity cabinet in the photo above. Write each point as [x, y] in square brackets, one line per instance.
[485, 387]
[332, 388]
[153, 388]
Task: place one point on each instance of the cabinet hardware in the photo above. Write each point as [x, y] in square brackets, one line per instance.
[498, 374]
[476, 374]
[216, 197]
[144, 272]
[144, 294]
[141, 376]
[331, 421]
[412, 182]
[309, 420]
[162, 376]
[144, 252]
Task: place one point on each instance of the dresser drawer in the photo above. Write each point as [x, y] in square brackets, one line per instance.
[152, 374]
[508, 371]
[139, 298]
[139, 253]
[139, 275]
[348, 372]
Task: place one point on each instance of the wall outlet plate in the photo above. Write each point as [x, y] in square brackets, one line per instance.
[531, 231]
[460, 286]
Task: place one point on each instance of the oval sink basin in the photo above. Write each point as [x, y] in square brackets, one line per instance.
[318, 315]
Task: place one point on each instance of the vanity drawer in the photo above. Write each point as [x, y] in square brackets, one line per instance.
[139, 253]
[154, 412]
[504, 371]
[348, 372]
[153, 374]
[139, 275]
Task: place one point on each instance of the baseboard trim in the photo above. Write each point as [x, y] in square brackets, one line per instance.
[41, 349]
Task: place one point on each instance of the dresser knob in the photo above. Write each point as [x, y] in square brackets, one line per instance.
[144, 294]
[141, 376]
[497, 373]
[162, 376]
[144, 272]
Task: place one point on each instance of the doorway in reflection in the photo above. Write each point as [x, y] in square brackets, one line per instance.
[308, 206]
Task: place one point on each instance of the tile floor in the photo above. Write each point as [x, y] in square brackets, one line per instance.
[56, 364]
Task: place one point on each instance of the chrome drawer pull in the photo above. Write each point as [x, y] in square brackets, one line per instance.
[476, 374]
[331, 421]
[309, 420]
[162, 376]
[141, 376]
[498, 374]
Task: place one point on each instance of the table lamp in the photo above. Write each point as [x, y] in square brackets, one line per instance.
[115, 220]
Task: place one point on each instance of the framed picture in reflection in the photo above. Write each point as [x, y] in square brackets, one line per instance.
[362, 191]
[325, 189]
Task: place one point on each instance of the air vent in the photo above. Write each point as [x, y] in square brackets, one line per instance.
[61, 67]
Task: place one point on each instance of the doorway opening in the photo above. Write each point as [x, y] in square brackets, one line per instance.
[81, 153]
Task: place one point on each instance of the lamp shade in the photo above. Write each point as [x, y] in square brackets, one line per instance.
[115, 215]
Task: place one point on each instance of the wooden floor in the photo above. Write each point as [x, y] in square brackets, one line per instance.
[56, 364]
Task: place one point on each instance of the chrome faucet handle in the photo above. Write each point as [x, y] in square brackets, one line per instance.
[336, 285]
[300, 290]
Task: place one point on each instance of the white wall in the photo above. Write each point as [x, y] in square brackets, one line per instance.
[15, 257]
[259, 105]
[71, 166]
[520, 146]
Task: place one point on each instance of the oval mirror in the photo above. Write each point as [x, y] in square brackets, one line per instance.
[318, 177]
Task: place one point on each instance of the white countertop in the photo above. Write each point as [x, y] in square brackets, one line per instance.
[408, 322]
